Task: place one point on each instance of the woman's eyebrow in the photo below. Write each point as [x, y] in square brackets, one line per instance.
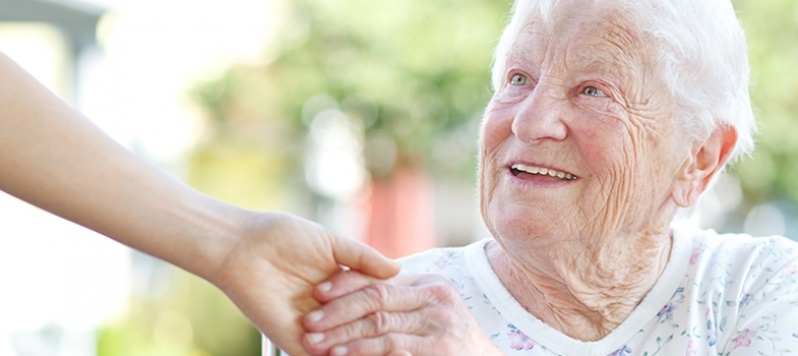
[521, 53]
[610, 60]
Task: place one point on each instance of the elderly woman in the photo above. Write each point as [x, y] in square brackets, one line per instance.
[607, 119]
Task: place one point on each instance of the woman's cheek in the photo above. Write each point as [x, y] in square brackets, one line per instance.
[496, 126]
[603, 143]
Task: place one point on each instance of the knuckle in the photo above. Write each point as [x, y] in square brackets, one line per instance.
[381, 322]
[443, 292]
[378, 293]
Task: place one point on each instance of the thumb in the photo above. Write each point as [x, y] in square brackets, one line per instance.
[362, 258]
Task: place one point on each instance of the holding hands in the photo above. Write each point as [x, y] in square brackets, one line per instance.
[271, 271]
[419, 315]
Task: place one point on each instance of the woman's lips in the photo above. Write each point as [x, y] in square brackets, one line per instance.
[519, 170]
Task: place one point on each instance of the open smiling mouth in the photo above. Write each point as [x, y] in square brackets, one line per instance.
[518, 169]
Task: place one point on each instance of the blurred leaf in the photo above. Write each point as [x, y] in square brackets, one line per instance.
[421, 67]
[192, 319]
[771, 29]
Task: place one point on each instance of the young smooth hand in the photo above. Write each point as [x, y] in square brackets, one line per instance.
[267, 263]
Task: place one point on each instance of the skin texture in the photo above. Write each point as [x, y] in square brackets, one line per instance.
[581, 97]
[414, 315]
[580, 254]
[271, 271]
[267, 263]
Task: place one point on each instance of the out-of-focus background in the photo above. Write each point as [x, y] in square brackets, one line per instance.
[359, 114]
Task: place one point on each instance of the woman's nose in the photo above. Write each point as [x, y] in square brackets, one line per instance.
[539, 117]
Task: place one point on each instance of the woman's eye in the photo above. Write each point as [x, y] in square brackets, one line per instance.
[518, 80]
[593, 91]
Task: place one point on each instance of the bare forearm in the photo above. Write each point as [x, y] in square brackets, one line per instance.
[54, 158]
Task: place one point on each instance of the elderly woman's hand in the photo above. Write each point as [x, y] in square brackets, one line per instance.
[418, 315]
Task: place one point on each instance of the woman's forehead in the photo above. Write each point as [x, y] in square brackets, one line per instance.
[594, 36]
[569, 19]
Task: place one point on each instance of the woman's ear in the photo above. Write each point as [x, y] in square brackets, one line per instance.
[705, 162]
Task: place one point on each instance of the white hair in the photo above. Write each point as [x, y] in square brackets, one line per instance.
[701, 55]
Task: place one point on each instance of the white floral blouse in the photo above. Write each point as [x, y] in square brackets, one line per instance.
[718, 295]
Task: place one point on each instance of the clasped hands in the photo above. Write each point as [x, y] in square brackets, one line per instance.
[406, 315]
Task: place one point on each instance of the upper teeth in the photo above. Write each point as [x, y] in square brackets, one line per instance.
[543, 171]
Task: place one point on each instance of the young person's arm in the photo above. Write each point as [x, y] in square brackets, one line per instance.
[267, 263]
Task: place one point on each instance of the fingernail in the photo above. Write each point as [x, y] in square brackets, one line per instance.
[339, 350]
[316, 337]
[324, 287]
[315, 316]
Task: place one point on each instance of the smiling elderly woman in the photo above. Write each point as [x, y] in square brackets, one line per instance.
[608, 117]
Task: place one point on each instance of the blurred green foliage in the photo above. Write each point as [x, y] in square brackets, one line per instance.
[413, 76]
[772, 31]
[190, 318]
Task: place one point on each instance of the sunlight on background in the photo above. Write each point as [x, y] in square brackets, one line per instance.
[154, 52]
[61, 282]
[360, 114]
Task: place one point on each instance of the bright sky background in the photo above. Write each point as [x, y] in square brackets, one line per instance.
[151, 51]
[154, 51]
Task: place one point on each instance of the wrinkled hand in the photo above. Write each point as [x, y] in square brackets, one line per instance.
[271, 272]
[419, 315]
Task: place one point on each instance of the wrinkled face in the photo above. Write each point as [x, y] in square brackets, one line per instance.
[579, 142]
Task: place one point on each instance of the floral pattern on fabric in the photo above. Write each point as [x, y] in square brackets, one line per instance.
[518, 340]
[738, 295]
[624, 350]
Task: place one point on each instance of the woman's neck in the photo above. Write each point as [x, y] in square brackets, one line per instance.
[583, 291]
